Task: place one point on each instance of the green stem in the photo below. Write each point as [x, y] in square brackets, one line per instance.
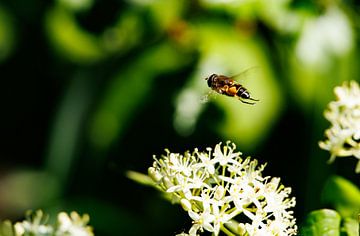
[359, 223]
[227, 231]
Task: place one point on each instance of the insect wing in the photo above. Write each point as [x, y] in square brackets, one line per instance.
[244, 73]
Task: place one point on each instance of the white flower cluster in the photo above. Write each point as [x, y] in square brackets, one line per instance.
[36, 225]
[217, 185]
[343, 137]
[73, 225]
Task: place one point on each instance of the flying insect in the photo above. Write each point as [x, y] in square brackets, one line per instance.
[228, 86]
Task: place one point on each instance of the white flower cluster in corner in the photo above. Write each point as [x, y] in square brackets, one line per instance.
[67, 225]
[217, 185]
[343, 137]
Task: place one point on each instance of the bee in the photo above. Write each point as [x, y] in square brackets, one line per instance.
[229, 87]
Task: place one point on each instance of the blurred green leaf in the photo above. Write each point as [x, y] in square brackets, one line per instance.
[350, 227]
[69, 39]
[128, 90]
[6, 228]
[7, 34]
[321, 58]
[28, 189]
[313, 84]
[343, 195]
[323, 222]
[77, 5]
[279, 15]
[247, 10]
[67, 128]
[125, 34]
[165, 18]
[163, 12]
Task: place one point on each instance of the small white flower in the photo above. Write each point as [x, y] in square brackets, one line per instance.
[221, 216]
[226, 155]
[216, 186]
[343, 137]
[73, 225]
[180, 164]
[206, 161]
[204, 218]
[35, 224]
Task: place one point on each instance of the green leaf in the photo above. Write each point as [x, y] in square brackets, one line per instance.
[128, 91]
[323, 222]
[312, 74]
[343, 195]
[350, 227]
[74, 43]
[6, 228]
[165, 19]
[75, 6]
[26, 189]
[7, 34]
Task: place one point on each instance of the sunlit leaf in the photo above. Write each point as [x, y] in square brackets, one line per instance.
[279, 15]
[350, 227]
[321, 222]
[164, 18]
[6, 228]
[124, 34]
[343, 195]
[246, 9]
[163, 12]
[77, 5]
[69, 39]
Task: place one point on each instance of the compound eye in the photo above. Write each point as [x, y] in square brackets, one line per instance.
[209, 81]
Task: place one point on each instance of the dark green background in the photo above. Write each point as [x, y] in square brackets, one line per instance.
[81, 104]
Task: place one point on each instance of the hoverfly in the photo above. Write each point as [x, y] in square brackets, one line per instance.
[229, 87]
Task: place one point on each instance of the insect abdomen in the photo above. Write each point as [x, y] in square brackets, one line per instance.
[242, 92]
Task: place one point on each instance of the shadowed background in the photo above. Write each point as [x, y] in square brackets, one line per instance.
[91, 89]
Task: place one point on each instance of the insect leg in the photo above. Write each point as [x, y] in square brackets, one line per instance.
[250, 103]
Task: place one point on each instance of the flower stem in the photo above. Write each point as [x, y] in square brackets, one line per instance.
[227, 231]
